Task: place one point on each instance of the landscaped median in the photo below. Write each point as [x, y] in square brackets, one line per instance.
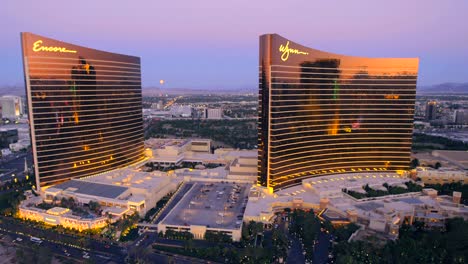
[383, 190]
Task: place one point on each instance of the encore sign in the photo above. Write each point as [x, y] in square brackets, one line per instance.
[286, 51]
[37, 46]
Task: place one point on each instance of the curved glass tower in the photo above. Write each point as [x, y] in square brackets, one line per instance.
[322, 113]
[84, 109]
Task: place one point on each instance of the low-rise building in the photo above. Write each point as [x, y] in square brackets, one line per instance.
[11, 106]
[7, 137]
[20, 145]
[214, 113]
[6, 152]
[173, 152]
[243, 169]
[181, 111]
[383, 214]
[156, 114]
[442, 175]
[129, 189]
[134, 189]
[60, 216]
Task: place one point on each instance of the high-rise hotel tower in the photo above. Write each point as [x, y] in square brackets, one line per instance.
[321, 113]
[84, 109]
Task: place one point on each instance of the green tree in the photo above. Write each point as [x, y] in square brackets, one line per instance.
[414, 163]
[94, 206]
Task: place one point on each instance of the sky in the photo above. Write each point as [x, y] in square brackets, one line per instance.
[213, 44]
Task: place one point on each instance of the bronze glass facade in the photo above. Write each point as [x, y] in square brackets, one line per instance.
[85, 109]
[322, 113]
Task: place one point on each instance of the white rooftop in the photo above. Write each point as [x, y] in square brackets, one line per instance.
[133, 178]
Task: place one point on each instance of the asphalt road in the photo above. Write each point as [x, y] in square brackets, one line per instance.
[295, 254]
[67, 251]
[98, 252]
[321, 250]
[147, 239]
[102, 253]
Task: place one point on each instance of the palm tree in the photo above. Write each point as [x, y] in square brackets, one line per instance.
[55, 200]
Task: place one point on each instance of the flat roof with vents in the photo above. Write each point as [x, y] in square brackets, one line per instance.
[92, 188]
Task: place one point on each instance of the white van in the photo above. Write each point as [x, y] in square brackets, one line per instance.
[36, 240]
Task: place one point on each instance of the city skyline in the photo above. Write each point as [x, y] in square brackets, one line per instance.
[222, 55]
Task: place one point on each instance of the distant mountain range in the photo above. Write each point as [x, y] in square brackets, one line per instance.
[157, 91]
[17, 90]
[12, 90]
[444, 88]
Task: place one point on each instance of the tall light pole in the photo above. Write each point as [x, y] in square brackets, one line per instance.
[26, 170]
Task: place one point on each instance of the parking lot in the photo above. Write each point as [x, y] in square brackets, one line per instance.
[215, 205]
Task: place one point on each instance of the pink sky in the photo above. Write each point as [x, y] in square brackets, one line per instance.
[214, 44]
